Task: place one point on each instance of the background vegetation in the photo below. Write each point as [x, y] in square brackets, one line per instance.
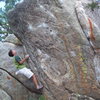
[93, 5]
[4, 26]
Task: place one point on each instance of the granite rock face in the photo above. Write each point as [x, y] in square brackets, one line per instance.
[84, 21]
[60, 53]
[79, 97]
[88, 24]
[4, 95]
[95, 15]
[11, 38]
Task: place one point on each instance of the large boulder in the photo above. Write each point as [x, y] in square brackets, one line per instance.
[59, 52]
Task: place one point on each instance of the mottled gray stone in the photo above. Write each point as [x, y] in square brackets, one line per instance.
[11, 38]
[4, 95]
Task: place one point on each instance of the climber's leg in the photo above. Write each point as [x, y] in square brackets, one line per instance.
[36, 82]
[29, 74]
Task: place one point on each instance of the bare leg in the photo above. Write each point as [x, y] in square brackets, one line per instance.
[35, 81]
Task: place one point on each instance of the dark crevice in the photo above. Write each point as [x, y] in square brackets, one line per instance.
[69, 91]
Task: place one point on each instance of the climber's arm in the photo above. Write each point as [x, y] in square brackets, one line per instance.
[21, 61]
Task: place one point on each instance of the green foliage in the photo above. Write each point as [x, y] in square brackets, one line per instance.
[93, 5]
[4, 26]
[42, 97]
[31, 98]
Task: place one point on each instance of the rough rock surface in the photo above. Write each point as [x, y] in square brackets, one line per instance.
[84, 22]
[59, 52]
[4, 95]
[79, 97]
[11, 38]
[94, 19]
[95, 15]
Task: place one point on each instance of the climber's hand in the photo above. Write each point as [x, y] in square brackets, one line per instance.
[27, 56]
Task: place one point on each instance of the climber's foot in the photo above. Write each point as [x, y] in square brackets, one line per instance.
[40, 87]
